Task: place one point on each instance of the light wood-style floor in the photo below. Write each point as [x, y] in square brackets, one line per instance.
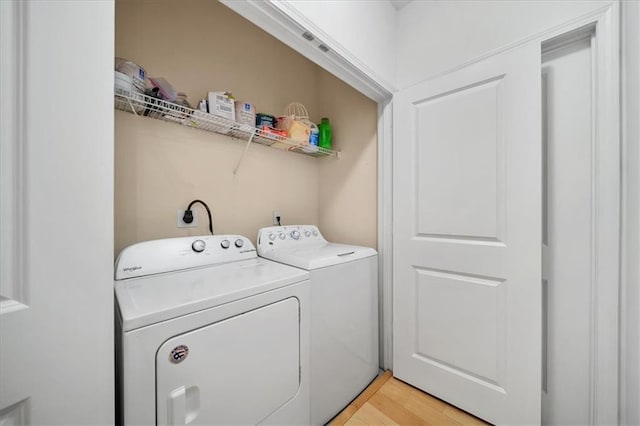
[389, 401]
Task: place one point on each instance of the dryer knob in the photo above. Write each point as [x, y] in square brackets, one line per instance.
[225, 244]
[315, 233]
[282, 236]
[239, 243]
[272, 236]
[295, 235]
[307, 233]
[198, 246]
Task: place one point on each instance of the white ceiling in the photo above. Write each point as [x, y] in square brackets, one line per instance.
[399, 4]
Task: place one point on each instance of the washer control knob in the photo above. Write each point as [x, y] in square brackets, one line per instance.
[295, 234]
[282, 236]
[198, 246]
[239, 243]
[272, 236]
[307, 233]
[225, 244]
[315, 233]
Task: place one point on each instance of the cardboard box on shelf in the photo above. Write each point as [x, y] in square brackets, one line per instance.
[222, 105]
[245, 113]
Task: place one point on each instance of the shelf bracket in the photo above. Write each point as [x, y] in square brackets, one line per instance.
[133, 110]
[246, 148]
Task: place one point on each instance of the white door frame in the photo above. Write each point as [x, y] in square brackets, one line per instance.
[287, 25]
[630, 290]
[605, 211]
[604, 177]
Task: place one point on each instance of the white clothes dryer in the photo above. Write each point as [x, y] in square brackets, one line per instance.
[344, 312]
[208, 333]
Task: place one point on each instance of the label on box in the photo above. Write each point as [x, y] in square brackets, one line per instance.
[245, 113]
[221, 105]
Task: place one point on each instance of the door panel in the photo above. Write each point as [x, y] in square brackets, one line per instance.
[467, 218]
[458, 166]
[474, 300]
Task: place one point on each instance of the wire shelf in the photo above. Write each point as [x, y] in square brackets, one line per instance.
[147, 106]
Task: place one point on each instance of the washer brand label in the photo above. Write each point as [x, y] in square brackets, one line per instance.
[247, 250]
[179, 354]
[132, 268]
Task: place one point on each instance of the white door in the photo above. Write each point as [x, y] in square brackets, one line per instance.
[56, 221]
[467, 237]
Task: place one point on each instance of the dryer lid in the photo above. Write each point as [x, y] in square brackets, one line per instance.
[151, 299]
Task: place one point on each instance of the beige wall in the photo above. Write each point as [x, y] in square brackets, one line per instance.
[198, 46]
[348, 187]
[161, 167]
[201, 45]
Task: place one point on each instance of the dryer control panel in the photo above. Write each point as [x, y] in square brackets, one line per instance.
[175, 254]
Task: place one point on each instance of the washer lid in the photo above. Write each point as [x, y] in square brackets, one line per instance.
[319, 255]
[151, 299]
[304, 246]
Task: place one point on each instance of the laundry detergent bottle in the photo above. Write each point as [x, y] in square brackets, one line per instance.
[325, 134]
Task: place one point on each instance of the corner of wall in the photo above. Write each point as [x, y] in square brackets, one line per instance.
[347, 208]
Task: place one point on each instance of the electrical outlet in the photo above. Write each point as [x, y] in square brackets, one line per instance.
[181, 224]
[276, 215]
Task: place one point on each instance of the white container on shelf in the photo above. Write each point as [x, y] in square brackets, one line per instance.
[133, 70]
[246, 113]
[313, 139]
[122, 83]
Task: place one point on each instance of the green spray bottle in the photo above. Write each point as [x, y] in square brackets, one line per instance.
[325, 133]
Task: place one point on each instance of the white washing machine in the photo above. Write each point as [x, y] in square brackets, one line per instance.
[344, 312]
[208, 333]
